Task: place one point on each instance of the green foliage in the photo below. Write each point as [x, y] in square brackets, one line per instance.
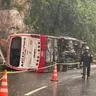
[86, 12]
[47, 16]
[5, 4]
[19, 7]
[75, 18]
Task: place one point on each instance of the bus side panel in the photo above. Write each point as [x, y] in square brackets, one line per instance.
[43, 39]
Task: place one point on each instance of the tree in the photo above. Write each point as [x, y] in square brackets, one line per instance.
[76, 18]
[47, 16]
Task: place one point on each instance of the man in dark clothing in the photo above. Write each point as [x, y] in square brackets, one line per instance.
[86, 59]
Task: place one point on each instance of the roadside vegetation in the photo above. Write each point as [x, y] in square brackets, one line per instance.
[75, 18]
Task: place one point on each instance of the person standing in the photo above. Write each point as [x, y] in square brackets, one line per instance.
[86, 59]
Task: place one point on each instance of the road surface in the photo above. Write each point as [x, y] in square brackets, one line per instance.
[69, 83]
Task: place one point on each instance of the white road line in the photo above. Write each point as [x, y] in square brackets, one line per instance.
[36, 90]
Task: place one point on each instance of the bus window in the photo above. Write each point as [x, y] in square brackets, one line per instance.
[15, 50]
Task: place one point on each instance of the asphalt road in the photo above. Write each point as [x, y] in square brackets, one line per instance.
[69, 83]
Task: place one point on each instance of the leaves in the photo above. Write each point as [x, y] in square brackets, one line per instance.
[75, 18]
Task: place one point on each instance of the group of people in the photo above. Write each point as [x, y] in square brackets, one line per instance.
[86, 60]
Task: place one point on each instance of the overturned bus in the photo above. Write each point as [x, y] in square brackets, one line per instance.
[39, 52]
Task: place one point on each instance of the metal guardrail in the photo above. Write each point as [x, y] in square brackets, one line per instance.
[73, 63]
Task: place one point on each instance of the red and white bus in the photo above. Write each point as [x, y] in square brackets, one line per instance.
[35, 51]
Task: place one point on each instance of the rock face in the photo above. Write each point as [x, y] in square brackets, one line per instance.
[12, 15]
[22, 6]
[11, 21]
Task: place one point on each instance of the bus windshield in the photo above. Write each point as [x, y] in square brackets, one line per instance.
[15, 49]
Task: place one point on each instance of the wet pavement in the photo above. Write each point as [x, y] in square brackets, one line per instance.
[81, 87]
[69, 83]
[76, 86]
